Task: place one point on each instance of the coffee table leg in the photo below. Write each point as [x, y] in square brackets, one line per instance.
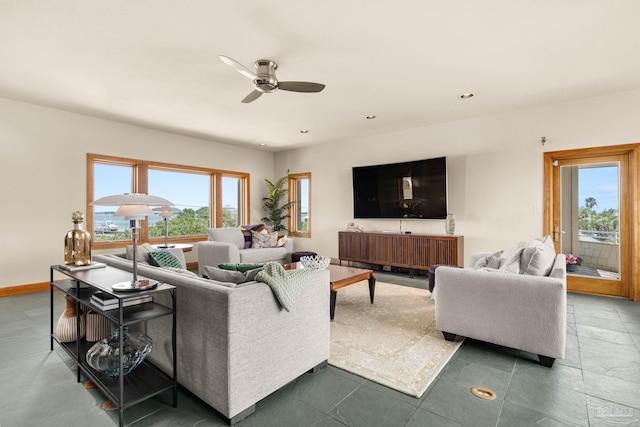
[332, 304]
[372, 287]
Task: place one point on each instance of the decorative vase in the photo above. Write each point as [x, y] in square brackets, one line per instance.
[98, 326]
[104, 356]
[66, 328]
[450, 224]
[77, 242]
[571, 268]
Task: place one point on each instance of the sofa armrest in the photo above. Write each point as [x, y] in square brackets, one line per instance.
[513, 310]
[214, 253]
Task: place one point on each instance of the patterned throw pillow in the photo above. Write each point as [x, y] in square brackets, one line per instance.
[241, 267]
[246, 232]
[264, 240]
[164, 259]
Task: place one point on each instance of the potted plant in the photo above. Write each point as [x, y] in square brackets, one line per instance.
[272, 204]
[573, 261]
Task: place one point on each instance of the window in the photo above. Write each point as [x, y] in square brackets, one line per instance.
[200, 195]
[189, 192]
[232, 201]
[300, 211]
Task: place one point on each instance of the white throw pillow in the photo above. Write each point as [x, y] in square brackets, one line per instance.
[537, 259]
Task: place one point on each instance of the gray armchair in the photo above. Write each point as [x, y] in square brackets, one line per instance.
[521, 311]
[227, 246]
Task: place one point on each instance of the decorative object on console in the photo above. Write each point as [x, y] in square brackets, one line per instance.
[166, 212]
[134, 207]
[77, 242]
[66, 328]
[98, 326]
[450, 224]
[276, 213]
[573, 262]
[315, 262]
[104, 355]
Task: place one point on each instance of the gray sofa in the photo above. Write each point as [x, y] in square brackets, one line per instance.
[522, 311]
[227, 246]
[236, 345]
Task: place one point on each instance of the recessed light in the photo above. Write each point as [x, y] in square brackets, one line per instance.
[371, 117]
[466, 95]
[263, 145]
[304, 131]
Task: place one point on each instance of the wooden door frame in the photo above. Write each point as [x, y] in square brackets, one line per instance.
[633, 151]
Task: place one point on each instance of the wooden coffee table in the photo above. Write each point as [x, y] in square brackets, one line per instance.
[339, 277]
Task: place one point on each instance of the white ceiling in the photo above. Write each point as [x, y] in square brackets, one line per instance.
[155, 62]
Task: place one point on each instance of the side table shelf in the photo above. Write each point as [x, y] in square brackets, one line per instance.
[146, 380]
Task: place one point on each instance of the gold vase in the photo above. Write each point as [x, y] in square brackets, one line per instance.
[77, 243]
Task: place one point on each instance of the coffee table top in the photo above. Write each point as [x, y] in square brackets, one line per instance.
[340, 276]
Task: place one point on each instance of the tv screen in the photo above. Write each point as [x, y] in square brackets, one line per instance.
[409, 190]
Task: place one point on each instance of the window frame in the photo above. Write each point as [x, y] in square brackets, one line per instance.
[293, 183]
[141, 183]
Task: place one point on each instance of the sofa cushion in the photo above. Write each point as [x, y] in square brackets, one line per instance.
[142, 253]
[230, 276]
[537, 259]
[228, 235]
[164, 259]
[264, 240]
[241, 267]
[246, 232]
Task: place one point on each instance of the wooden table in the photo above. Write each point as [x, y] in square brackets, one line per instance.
[339, 277]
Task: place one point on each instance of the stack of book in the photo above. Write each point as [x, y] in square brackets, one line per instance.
[104, 301]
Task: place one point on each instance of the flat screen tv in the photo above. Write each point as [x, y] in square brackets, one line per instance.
[409, 190]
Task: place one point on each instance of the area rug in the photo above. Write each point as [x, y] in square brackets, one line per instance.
[394, 341]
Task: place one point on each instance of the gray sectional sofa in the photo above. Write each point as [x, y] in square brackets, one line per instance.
[236, 345]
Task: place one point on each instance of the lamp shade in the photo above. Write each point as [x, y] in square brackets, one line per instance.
[131, 199]
[134, 211]
[165, 211]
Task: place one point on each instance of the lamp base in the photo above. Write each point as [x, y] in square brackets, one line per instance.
[141, 285]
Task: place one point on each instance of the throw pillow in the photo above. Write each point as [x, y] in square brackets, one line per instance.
[229, 276]
[246, 231]
[242, 267]
[164, 259]
[264, 240]
[142, 253]
[281, 240]
[491, 261]
[537, 259]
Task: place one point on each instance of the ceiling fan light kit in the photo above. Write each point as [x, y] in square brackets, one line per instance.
[265, 81]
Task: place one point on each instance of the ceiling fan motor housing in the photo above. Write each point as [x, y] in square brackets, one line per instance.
[266, 72]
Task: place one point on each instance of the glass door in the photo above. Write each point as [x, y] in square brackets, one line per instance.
[590, 222]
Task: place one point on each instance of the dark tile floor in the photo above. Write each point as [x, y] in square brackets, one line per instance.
[598, 383]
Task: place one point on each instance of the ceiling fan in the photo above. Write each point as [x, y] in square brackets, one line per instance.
[264, 79]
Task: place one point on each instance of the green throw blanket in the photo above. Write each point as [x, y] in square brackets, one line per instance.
[285, 284]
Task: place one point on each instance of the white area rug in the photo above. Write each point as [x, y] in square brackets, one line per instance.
[393, 341]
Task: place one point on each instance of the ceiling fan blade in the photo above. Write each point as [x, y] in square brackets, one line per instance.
[301, 86]
[238, 67]
[252, 97]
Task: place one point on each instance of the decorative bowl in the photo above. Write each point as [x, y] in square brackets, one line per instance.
[315, 262]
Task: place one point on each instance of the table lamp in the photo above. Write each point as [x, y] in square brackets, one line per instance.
[134, 207]
[165, 212]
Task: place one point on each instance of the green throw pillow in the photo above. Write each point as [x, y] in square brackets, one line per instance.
[164, 259]
[242, 267]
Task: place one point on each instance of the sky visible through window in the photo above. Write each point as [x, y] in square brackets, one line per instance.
[601, 183]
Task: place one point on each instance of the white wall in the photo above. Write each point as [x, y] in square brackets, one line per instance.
[495, 168]
[43, 177]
